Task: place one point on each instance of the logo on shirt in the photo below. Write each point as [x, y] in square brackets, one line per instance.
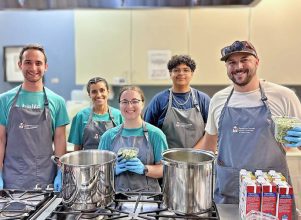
[31, 106]
[183, 125]
[25, 126]
[96, 136]
[241, 130]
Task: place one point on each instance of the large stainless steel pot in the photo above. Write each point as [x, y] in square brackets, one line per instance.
[88, 178]
[188, 180]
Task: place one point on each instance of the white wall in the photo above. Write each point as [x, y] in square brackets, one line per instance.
[114, 43]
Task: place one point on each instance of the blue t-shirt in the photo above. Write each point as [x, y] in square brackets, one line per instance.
[80, 121]
[34, 100]
[156, 110]
[156, 137]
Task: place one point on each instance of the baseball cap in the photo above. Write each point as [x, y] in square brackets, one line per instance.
[238, 47]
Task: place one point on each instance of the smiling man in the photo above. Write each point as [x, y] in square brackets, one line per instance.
[181, 111]
[240, 122]
[32, 119]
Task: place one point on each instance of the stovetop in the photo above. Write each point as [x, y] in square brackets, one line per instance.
[40, 205]
[19, 204]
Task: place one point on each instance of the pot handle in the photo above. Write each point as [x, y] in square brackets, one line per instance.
[56, 160]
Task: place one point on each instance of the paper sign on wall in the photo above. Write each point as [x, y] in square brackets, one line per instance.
[157, 64]
[12, 73]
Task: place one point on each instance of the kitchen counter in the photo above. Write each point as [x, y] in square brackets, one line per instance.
[228, 211]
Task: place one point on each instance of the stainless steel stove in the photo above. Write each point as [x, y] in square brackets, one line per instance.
[40, 205]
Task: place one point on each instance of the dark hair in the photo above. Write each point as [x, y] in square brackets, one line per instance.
[32, 47]
[96, 80]
[133, 88]
[176, 60]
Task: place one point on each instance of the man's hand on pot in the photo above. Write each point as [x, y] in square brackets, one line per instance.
[1, 180]
[58, 181]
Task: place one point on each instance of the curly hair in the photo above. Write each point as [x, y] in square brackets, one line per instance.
[176, 60]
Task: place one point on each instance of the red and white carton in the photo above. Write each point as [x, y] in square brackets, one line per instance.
[243, 176]
[268, 196]
[275, 176]
[285, 196]
[266, 175]
[249, 197]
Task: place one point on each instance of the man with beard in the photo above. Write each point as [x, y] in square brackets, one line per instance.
[240, 123]
[32, 118]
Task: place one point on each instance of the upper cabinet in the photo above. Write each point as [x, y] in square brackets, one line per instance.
[276, 34]
[103, 44]
[116, 44]
[160, 29]
[210, 30]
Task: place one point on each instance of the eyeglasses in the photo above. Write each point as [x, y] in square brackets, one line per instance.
[238, 46]
[127, 102]
[178, 71]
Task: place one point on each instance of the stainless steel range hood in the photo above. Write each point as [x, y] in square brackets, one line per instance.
[114, 4]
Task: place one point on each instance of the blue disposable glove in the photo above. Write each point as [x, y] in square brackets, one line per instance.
[58, 181]
[135, 165]
[120, 165]
[1, 180]
[294, 137]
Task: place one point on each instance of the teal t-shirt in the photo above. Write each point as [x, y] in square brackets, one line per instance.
[80, 120]
[34, 100]
[156, 137]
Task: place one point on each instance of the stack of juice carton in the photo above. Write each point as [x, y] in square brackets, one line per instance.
[266, 192]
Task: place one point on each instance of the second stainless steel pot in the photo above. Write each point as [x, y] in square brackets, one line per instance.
[88, 178]
[188, 180]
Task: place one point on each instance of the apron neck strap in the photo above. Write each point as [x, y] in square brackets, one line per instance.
[46, 103]
[145, 131]
[262, 94]
[111, 116]
[194, 100]
[16, 96]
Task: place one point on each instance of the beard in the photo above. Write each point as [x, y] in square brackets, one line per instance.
[245, 81]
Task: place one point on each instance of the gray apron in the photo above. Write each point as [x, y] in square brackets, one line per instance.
[28, 147]
[95, 129]
[183, 127]
[129, 181]
[245, 141]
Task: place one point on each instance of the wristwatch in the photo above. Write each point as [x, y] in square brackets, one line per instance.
[145, 170]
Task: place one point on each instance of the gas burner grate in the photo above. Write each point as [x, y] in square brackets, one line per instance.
[18, 204]
[156, 211]
[209, 214]
[130, 205]
[64, 213]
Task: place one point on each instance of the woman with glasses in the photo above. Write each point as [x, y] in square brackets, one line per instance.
[90, 123]
[139, 172]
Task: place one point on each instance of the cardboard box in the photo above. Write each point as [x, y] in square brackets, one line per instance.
[285, 196]
[249, 197]
[268, 196]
